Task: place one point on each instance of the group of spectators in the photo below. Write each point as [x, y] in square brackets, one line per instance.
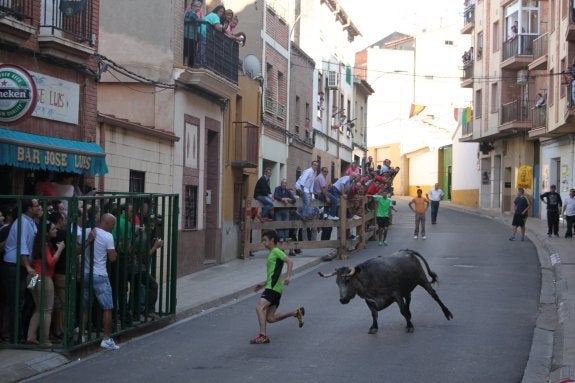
[221, 19]
[311, 184]
[35, 263]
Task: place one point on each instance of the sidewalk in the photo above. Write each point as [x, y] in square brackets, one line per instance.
[553, 339]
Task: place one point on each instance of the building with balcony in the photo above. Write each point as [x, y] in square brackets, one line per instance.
[521, 97]
[48, 118]
[164, 117]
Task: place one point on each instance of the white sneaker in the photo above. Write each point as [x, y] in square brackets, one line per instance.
[424, 237]
[356, 217]
[109, 344]
[415, 237]
[332, 218]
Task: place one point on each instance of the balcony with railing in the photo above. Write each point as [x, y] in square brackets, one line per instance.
[16, 20]
[211, 59]
[515, 115]
[467, 79]
[468, 20]
[540, 50]
[67, 32]
[570, 31]
[517, 52]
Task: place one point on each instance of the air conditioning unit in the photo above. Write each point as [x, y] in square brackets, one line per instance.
[332, 79]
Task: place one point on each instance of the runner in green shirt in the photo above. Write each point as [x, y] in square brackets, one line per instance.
[384, 207]
[270, 298]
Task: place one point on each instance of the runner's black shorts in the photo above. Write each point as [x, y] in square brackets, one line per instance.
[383, 222]
[273, 297]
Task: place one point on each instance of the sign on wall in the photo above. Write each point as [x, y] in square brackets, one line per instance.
[18, 94]
[58, 100]
[525, 177]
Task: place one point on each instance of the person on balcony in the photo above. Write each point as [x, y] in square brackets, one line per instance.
[240, 37]
[191, 19]
[540, 101]
[214, 18]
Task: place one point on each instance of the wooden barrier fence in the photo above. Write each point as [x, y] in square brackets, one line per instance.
[342, 244]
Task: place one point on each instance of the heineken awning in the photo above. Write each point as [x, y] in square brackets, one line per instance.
[32, 151]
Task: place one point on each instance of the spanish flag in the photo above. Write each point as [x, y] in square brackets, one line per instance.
[415, 110]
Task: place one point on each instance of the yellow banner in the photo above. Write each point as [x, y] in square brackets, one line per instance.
[525, 177]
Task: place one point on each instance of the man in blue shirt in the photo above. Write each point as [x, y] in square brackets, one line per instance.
[25, 228]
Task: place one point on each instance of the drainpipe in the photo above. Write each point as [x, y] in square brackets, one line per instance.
[264, 75]
[288, 112]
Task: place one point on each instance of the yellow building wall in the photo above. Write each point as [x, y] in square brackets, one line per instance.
[468, 197]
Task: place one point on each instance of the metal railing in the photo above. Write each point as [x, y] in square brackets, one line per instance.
[142, 278]
[521, 45]
[515, 111]
[540, 47]
[539, 117]
[22, 10]
[468, 70]
[74, 23]
[211, 49]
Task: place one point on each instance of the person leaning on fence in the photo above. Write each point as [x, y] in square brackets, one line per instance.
[20, 241]
[304, 187]
[104, 250]
[59, 275]
[520, 216]
[284, 195]
[321, 193]
[343, 185]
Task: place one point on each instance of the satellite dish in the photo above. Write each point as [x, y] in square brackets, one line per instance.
[251, 66]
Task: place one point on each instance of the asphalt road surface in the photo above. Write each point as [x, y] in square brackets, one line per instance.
[491, 286]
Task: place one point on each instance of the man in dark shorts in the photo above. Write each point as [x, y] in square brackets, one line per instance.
[520, 216]
[270, 298]
[384, 207]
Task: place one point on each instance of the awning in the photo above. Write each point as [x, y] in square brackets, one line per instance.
[31, 151]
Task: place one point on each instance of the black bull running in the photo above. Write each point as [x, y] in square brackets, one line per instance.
[386, 279]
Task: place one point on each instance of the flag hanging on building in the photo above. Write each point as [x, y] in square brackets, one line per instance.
[415, 110]
[463, 115]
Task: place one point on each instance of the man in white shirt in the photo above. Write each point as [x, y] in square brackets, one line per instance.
[569, 213]
[304, 186]
[104, 250]
[434, 196]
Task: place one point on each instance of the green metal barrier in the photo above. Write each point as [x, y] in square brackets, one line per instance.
[143, 277]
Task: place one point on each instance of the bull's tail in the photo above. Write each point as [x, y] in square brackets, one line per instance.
[431, 273]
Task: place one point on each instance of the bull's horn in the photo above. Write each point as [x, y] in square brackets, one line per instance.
[327, 275]
[351, 272]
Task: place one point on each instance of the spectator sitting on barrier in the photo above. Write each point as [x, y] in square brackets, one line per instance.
[263, 194]
[343, 185]
[322, 193]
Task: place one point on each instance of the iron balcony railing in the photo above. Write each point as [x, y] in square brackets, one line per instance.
[521, 45]
[70, 22]
[142, 277]
[540, 47]
[539, 117]
[515, 111]
[467, 128]
[22, 10]
[211, 49]
[468, 70]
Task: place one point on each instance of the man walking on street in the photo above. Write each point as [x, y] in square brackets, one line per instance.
[421, 206]
[520, 216]
[434, 195]
[553, 201]
[569, 213]
[270, 298]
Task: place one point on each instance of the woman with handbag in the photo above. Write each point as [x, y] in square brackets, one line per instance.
[43, 291]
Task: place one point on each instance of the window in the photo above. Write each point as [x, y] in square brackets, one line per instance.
[137, 181]
[479, 46]
[191, 207]
[563, 89]
[494, 98]
[496, 36]
[448, 42]
[478, 103]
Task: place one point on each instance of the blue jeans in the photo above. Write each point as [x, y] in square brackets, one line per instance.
[268, 204]
[282, 214]
[305, 211]
[333, 202]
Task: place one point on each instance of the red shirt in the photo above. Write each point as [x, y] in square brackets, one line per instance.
[50, 262]
[373, 189]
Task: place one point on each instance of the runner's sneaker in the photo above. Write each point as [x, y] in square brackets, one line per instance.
[512, 238]
[424, 237]
[415, 237]
[380, 243]
[109, 344]
[299, 313]
[385, 243]
[260, 339]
